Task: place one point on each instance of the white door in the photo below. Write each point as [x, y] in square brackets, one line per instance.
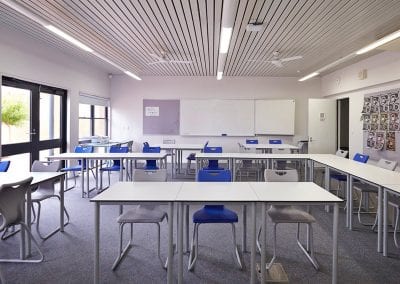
[322, 135]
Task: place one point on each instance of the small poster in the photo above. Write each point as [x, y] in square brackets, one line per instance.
[366, 122]
[394, 103]
[391, 141]
[374, 121]
[380, 140]
[384, 103]
[384, 123]
[371, 139]
[367, 105]
[374, 104]
[152, 111]
[394, 122]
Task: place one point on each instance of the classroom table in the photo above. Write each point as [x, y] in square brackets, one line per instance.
[388, 189]
[105, 145]
[38, 178]
[177, 153]
[124, 193]
[266, 147]
[162, 157]
[296, 193]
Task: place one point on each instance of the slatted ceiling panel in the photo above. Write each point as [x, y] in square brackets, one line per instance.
[194, 25]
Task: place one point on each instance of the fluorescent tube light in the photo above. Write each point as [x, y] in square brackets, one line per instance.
[132, 75]
[225, 40]
[219, 75]
[308, 76]
[69, 38]
[379, 42]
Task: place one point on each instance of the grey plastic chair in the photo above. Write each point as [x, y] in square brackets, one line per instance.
[12, 202]
[45, 191]
[365, 189]
[281, 164]
[289, 214]
[142, 214]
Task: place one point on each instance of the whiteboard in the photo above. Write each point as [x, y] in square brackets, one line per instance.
[217, 117]
[274, 117]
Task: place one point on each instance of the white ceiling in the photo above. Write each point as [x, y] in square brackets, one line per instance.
[126, 31]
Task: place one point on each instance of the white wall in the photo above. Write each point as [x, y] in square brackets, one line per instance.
[383, 74]
[127, 101]
[27, 59]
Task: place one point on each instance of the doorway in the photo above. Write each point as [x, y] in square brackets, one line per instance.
[343, 124]
[33, 122]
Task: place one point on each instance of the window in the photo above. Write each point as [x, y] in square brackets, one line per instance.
[93, 120]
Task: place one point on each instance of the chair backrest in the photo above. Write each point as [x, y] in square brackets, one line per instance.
[206, 144]
[361, 158]
[146, 144]
[83, 149]
[12, 201]
[118, 149]
[342, 153]
[150, 175]
[281, 151]
[4, 165]
[214, 175]
[281, 175]
[387, 164]
[38, 166]
[251, 141]
[275, 141]
[301, 146]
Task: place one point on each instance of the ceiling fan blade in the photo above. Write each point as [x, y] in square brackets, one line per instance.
[291, 58]
[181, 61]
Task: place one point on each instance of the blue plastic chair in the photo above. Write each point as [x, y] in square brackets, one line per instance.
[212, 164]
[342, 178]
[151, 164]
[4, 165]
[275, 141]
[251, 141]
[210, 214]
[78, 168]
[115, 166]
[190, 158]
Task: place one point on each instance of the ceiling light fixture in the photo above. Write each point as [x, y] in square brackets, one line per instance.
[219, 75]
[379, 42]
[225, 39]
[132, 75]
[308, 76]
[68, 38]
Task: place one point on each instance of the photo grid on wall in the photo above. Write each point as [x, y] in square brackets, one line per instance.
[381, 120]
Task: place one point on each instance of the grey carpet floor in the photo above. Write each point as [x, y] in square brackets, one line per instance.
[69, 255]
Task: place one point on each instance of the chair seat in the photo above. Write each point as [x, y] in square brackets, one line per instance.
[150, 167]
[72, 169]
[113, 168]
[142, 214]
[289, 214]
[339, 177]
[213, 169]
[192, 156]
[215, 214]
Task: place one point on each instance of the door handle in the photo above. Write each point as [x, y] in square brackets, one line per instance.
[32, 133]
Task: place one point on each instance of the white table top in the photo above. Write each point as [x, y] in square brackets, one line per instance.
[216, 191]
[110, 156]
[108, 144]
[270, 146]
[306, 192]
[393, 187]
[180, 146]
[38, 177]
[367, 172]
[250, 156]
[140, 191]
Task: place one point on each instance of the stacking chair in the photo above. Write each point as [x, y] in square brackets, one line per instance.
[281, 164]
[4, 165]
[341, 178]
[289, 214]
[247, 167]
[12, 202]
[212, 164]
[45, 191]
[115, 165]
[275, 141]
[394, 201]
[190, 158]
[251, 141]
[151, 164]
[365, 189]
[78, 168]
[212, 214]
[142, 214]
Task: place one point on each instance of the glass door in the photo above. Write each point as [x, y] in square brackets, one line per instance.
[33, 122]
